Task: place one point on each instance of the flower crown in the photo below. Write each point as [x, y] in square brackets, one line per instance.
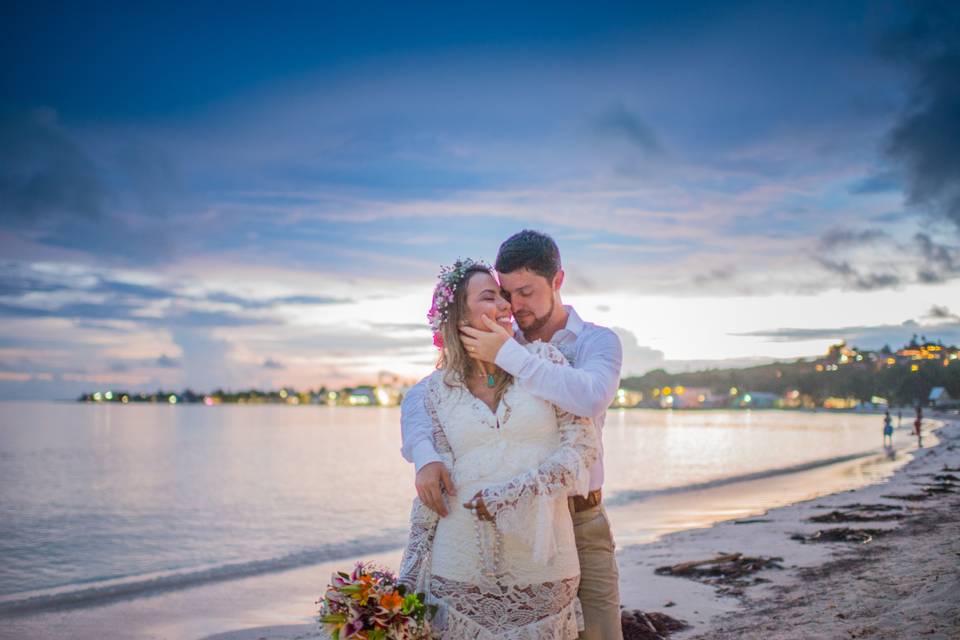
[449, 279]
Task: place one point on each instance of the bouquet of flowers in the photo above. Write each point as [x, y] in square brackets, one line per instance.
[368, 604]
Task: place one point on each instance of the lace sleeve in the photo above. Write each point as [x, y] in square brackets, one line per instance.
[565, 471]
[533, 494]
[415, 565]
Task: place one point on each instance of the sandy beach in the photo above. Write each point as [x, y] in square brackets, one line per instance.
[902, 583]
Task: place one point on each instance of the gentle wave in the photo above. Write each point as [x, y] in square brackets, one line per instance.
[66, 597]
[621, 498]
[69, 598]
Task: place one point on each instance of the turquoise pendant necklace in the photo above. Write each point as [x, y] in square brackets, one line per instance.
[491, 383]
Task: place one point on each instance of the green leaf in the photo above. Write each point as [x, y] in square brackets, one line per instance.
[334, 618]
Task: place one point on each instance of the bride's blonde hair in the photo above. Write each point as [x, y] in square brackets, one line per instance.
[456, 363]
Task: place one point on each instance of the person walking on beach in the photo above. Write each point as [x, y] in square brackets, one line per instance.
[887, 428]
[529, 268]
[918, 424]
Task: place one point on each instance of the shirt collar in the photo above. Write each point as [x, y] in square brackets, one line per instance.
[574, 326]
[574, 322]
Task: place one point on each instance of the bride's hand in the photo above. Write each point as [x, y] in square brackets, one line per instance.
[479, 508]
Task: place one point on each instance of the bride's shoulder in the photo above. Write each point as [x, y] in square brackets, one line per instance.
[546, 351]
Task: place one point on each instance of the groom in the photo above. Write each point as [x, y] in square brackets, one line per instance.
[528, 264]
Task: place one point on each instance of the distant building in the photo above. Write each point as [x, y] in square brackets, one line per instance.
[627, 398]
[695, 398]
[757, 400]
[939, 398]
[361, 397]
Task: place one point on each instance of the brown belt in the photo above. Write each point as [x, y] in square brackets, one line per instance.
[582, 503]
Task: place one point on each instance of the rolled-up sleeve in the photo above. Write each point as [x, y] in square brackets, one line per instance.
[586, 389]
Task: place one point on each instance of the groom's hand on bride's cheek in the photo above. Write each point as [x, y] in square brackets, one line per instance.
[484, 345]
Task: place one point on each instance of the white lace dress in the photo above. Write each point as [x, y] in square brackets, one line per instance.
[526, 459]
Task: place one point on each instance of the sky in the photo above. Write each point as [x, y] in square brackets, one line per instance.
[206, 195]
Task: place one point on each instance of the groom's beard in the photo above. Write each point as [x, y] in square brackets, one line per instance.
[538, 323]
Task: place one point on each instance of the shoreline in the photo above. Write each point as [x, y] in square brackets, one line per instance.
[902, 584]
[736, 613]
[280, 605]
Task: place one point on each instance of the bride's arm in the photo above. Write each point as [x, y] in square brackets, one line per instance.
[565, 471]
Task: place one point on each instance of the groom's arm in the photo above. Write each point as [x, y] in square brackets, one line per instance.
[416, 433]
[416, 428]
[585, 390]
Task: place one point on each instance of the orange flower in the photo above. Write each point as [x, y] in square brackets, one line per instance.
[366, 586]
[391, 601]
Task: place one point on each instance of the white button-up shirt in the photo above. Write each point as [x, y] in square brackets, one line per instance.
[586, 389]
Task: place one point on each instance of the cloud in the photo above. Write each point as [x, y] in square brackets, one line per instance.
[208, 360]
[399, 327]
[52, 191]
[857, 279]
[116, 310]
[717, 274]
[938, 312]
[940, 262]
[270, 363]
[623, 124]
[925, 141]
[836, 237]
[865, 336]
[870, 259]
[167, 362]
[45, 176]
[637, 359]
[882, 182]
[252, 303]
[18, 286]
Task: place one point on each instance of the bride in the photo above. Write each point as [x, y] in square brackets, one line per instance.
[503, 564]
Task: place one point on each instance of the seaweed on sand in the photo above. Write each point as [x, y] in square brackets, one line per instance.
[854, 516]
[840, 534]
[638, 625]
[727, 572]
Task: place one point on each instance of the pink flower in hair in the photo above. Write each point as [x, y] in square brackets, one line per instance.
[443, 294]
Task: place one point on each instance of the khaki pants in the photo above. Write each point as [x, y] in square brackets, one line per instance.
[599, 578]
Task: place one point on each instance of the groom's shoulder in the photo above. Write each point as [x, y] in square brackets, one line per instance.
[593, 329]
[600, 335]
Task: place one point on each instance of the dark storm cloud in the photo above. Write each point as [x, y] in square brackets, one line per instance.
[925, 141]
[938, 312]
[53, 192]
[841, 237]
[857, 278]
[941, 262]
[45, 177]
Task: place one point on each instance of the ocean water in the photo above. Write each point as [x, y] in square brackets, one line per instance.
[100, 500]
